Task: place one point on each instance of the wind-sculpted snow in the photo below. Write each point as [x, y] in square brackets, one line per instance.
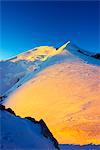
[14, 69]
[65, 93]
[62, 88]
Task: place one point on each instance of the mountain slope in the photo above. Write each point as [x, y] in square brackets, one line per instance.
[65, 93]
[19, 69]
[24, 133]
[22, 66]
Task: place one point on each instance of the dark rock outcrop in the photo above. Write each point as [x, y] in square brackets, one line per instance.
[46, 132]
[82, 52]
[10, 111]
[97, 56]
[31, 119]
[2, 107]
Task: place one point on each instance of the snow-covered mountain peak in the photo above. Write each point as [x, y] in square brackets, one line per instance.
[19, 69]
[39, 53]
[61, 78]
[20, 66]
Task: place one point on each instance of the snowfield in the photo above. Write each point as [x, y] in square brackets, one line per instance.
[61, 87]
[21, 66]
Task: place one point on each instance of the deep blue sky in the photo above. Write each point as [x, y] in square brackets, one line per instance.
[25, 25]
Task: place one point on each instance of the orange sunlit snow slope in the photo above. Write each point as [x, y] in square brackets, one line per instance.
[67, 96]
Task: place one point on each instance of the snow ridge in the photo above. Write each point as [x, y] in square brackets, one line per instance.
[15, 71]
[24, 133]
